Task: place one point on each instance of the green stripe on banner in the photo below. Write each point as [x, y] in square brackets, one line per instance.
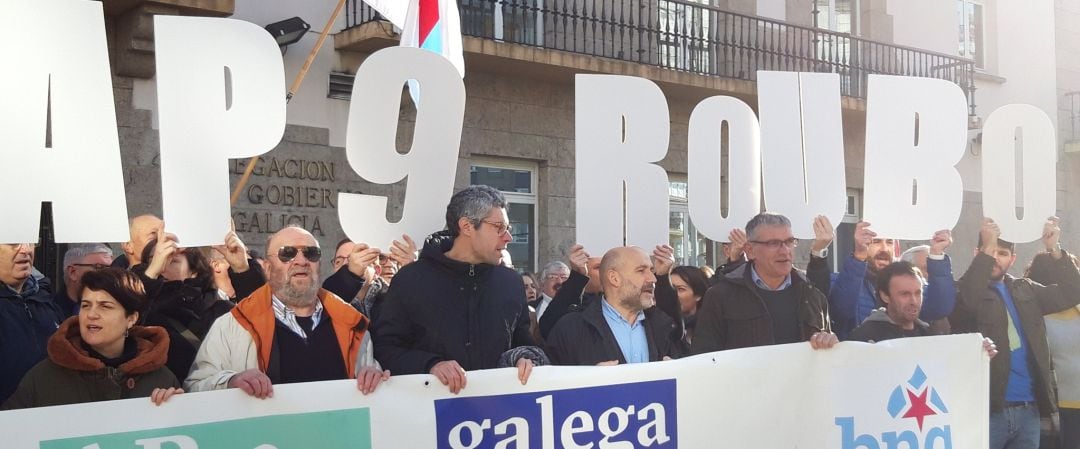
[338, 429]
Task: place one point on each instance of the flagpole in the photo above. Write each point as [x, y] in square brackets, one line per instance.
[292, 91]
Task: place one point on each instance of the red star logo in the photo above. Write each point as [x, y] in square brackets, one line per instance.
[918, 408]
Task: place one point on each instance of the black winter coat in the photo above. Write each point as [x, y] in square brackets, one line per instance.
[27, 320]
[440, 309]
[734, 315]
[584, 338]
[980, 309]
[187, 309]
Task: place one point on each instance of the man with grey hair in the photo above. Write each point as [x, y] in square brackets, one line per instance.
[79, 259]
[288, 331]
[552, 277]
[916, 256]
[456, 308]
[765, 301]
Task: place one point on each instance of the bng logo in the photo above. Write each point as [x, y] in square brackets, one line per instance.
[626, 416]
[910, 403]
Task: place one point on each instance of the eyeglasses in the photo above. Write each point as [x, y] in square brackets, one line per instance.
[500, 227]
[287, 253]
[96, 266]
[561, 277]
[776, 244]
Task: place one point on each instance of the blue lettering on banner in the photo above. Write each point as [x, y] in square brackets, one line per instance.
[625, 416]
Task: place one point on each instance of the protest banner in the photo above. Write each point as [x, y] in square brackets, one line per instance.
[915, 393]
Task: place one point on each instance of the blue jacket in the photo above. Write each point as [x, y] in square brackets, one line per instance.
[852, 296]
[27, 320]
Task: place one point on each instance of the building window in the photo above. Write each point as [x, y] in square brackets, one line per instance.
[971, 15]
[841, 16]
[691, 248]
[517, 181]
[684, 35]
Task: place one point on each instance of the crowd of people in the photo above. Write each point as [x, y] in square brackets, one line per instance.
[161, 319]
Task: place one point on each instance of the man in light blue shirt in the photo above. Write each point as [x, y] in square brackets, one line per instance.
[618, 329]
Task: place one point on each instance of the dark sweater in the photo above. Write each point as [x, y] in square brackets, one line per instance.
[783, 307]
[308, 360]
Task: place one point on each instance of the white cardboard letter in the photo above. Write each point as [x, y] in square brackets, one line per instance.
[802, 147]
[622, 128]
[916, 132]
[221, 95]
[704, 171]
[60, 78]
[370, 145]
[1039, 183]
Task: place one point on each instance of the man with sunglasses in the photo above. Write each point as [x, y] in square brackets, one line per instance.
[288, 331]
[853, 296]
[766, 300]
[456, 309]
[79, 260]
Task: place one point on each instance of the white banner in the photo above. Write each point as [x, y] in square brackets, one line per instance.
[924, 392]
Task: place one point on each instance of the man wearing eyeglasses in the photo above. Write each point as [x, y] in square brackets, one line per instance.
[852, 296]
[27, 316]
[766, 300]
[553, 276]
[288, 331]
[78, 260]
[455, 309]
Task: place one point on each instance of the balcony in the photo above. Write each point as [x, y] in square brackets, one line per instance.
[691, 44]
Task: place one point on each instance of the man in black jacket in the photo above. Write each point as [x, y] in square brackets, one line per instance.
[456, 309]
[1010, 311]
[27, 316]
[765, 301]
[618, 329]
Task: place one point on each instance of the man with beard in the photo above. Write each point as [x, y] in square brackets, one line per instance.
[852, 295]
[288, 331]
[1010, 311]
[456, 309]
[617, 329]
[765, 301]
[899, 286]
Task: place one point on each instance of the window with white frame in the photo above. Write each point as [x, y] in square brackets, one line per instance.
[517, 181]
[971, 18]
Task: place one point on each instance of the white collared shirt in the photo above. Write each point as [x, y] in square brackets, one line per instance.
[287, 316]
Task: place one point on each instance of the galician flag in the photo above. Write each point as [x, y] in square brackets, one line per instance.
[434, 25]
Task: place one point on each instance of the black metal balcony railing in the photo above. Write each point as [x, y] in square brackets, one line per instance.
[682, 35]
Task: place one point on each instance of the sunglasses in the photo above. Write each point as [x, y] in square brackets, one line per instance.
[287, 253]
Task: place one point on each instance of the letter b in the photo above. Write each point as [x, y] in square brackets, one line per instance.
[848, 440]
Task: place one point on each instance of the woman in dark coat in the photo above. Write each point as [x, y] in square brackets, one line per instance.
[101, 354]
[182, 295]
